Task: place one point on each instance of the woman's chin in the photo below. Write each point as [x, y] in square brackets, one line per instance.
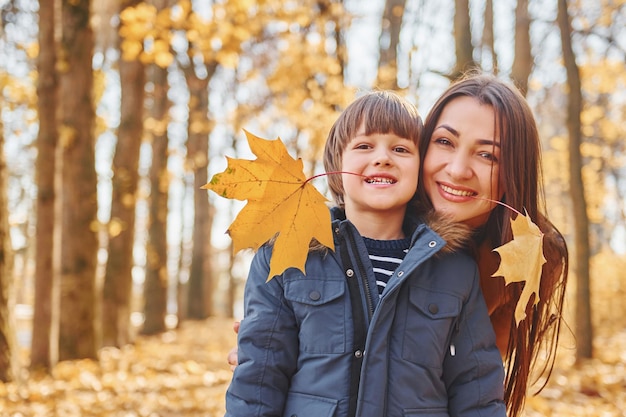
[458, 215]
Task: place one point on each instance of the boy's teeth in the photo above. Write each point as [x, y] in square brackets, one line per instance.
[457, 192]
[379, 181]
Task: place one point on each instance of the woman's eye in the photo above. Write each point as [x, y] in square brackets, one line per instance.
[488, 156]
[443, 141]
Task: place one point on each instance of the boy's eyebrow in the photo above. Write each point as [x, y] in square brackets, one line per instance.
[456, 133]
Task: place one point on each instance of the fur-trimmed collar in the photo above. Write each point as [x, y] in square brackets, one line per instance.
[457, 235]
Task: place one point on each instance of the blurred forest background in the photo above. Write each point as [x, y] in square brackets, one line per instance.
[114, 113]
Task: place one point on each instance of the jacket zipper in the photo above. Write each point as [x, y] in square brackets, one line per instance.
[455, 329]
[363, 275]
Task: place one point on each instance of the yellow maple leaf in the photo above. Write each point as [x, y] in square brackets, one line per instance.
[281, 203]
[521, 260]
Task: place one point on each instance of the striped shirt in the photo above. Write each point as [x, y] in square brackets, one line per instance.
[385, 256]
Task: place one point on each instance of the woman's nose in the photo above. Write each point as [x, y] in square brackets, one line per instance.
[459, 167]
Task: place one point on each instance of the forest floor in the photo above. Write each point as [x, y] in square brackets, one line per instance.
[184, 373]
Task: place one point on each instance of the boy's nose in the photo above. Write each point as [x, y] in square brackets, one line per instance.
[382, 158]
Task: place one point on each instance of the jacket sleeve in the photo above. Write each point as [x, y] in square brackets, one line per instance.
[267, 346]
[473, 368]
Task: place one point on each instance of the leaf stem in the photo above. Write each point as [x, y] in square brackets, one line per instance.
[323, 174]
[497, 202]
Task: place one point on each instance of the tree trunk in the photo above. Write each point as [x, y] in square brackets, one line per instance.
[387, 77]
[117, 291]
[77, 336]
[156, 283]
[7, 331]
[584, 334]
[462, 39]
[47, 104]
[488, 37]
[200, 287]
[523, 59]
[182, 286]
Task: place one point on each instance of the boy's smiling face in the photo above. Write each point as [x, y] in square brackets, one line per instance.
[387, 168]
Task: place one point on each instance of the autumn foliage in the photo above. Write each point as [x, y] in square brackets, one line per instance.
[184, 373]
[282, 204]
[521, 260]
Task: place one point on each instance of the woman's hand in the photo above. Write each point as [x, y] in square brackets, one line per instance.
[232, 358]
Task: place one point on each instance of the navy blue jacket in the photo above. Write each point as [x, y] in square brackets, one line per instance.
[427, 345]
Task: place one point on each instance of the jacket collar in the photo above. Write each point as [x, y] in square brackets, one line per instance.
[456, 235]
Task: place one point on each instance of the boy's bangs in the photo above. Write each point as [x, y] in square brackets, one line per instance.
[391, 117]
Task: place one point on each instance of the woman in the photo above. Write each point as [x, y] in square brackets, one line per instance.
[480, 145]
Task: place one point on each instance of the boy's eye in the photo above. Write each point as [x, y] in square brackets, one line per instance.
[400, 149]
[362, 146]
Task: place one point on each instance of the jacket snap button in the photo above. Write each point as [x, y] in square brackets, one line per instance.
[358, 354]
[315, 295]
[433, 308]
[350, 273]
[432, 244]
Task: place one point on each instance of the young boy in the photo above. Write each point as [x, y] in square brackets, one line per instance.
[391, 323]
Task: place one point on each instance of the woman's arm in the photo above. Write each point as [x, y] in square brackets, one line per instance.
[232, 353]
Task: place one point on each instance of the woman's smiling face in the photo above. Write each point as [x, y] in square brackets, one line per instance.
[461, 166]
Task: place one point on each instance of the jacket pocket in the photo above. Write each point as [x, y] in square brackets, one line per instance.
[320, 309]
[305, 405]
[431, 316]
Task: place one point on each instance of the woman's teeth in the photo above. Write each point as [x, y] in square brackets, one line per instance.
[454, 191]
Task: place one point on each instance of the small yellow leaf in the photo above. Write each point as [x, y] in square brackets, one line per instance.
[521, 260]
[281, 203]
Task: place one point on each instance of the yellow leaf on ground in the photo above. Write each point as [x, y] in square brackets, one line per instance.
[521, 260]
[281, 204]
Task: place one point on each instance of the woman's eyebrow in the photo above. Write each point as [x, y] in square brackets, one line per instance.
[449, 129]
[457, 134]
[488, 142]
